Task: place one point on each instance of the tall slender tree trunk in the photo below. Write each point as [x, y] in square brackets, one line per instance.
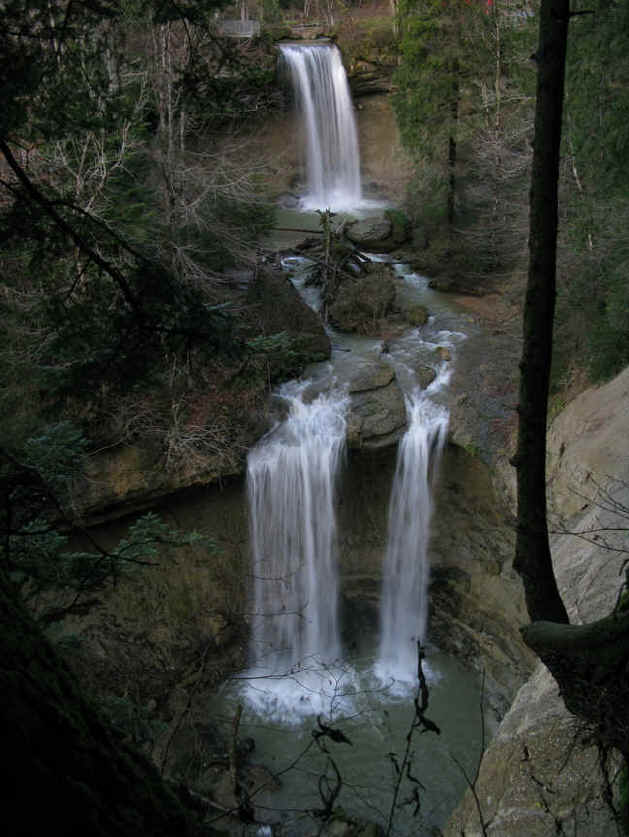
[498, 70]
[533, 559]
[589, 662]
[452, 145]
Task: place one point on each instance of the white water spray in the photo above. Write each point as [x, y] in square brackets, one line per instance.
[291, 479]
[331, 141]
[404, 607]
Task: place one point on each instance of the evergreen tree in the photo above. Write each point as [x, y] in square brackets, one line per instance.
[593, 305]
[438, 59]
[112, 233]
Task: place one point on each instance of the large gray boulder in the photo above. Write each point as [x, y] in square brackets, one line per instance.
[372, 234]
[377, 414]
[380, 233]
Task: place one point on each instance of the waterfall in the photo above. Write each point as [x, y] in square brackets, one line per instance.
[404, 607]
[322, 92]
[291, 477]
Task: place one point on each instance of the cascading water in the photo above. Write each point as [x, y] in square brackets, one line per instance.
[404, 607]
[291, 479]
[331, 142]
[295, 674]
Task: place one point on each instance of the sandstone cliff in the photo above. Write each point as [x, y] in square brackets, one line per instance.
[541, 774]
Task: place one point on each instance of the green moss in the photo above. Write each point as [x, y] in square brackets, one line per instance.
[472, 449]
[400, 223]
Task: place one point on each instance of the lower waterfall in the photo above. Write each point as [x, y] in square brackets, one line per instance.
[404, 606]
[291, 477]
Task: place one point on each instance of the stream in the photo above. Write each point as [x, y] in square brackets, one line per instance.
[377, 723]
[369, 700]
[355, 726]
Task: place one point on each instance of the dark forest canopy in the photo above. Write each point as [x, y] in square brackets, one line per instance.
[464, 99]
[116, 228]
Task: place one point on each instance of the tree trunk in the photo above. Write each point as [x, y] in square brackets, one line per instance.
[532, 559]
[452, 145]
[589, 662]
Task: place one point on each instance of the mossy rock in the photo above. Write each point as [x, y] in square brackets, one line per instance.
[360, 305]
[401, 228]
[417, 315]
[380, 233]
[372, 234]
[280, 310]
[425, 376]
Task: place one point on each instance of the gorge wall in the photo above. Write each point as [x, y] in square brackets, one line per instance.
[541, 768]
[541, 775]
[194, 597]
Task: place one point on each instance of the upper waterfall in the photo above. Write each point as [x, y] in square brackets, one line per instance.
[331, 141]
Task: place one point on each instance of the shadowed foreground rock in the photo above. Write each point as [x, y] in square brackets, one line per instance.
[61, 763]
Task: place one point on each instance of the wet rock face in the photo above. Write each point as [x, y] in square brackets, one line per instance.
[476, 598]
[476, 601]
[377, 415]
[368, 77]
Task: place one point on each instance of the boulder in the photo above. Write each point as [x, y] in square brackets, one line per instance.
[359, 304]
[380, 233]
[280, 309]
[416, 315]
[372, 377]
[377, 414]
[541, 775]
[401, 228]
[425, 376]
[374, 234]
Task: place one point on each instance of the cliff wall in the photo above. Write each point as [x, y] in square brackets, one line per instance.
[541, 775]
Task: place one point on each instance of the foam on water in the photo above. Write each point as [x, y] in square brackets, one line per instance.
[308, 689]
